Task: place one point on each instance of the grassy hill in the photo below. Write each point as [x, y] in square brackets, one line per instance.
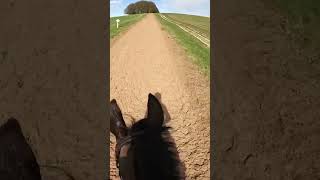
[196, 49]
[200, 23]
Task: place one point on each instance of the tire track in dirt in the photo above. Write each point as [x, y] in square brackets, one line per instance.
[146, 60]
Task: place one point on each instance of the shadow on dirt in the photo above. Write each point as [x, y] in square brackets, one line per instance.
[181, 165]
[167, 118]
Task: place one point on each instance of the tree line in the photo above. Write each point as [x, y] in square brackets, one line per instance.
[141, 7]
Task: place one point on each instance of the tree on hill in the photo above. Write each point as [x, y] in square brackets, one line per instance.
[141, 7]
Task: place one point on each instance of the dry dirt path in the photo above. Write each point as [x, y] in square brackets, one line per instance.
[146, 60]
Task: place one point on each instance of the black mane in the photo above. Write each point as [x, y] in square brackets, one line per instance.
[156, 153]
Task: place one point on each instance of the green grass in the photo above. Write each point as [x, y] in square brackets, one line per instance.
[194, 48]
[198, 23]
[125, 23]
[304, 19]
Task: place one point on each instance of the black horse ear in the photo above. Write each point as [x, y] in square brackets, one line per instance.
[155, 113]
[14, 147]
[12, 125]
[117, 125]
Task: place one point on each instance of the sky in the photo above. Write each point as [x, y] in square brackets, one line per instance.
[194, 7]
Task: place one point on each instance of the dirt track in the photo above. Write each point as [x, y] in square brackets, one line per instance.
[147, 60]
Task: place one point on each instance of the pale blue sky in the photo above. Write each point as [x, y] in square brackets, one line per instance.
[195, 7]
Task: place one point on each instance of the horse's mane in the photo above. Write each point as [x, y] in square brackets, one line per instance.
[161, 149]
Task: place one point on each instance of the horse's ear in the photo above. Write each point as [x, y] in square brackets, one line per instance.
[117, 125]
[155, 112]
[12, 125]
[14, 147]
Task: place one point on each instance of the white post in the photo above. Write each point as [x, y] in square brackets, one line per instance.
[118, 20]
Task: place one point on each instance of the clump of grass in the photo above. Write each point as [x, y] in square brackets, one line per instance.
[198, 51]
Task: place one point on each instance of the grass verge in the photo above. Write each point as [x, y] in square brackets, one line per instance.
[194, 48]
[125, 23]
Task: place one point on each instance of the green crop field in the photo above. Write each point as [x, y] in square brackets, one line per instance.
[125, 23]
[199, 23]
[198, 51]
